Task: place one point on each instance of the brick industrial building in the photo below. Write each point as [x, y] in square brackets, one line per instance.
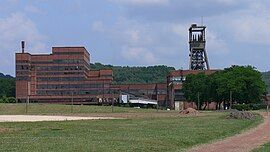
[65, 76]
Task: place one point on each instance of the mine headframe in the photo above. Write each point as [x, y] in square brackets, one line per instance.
[197, 56]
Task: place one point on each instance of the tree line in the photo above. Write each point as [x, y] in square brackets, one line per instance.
[130, 75]
[7, 89]
[237, 84]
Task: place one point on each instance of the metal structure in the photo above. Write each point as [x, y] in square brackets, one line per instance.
[197, 56]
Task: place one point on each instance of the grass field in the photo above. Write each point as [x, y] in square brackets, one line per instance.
[143, 130]
[264, 148]
[63, 109]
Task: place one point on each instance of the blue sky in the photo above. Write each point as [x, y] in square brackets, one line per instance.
[138, 32]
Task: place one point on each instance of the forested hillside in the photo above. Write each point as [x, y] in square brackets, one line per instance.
[5, 76]
[7, 86]
[266, 79]
[128, 75]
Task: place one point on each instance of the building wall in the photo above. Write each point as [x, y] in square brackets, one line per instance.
[62, 76]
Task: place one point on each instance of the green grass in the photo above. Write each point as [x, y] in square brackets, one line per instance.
[15, 109]
[264, 148]
[170, 133]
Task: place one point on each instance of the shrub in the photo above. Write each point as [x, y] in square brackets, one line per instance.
[7, 100]
[241, 107]
[3, 99]
[10, 100]
[258, 106]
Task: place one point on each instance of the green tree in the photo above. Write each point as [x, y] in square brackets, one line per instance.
[245, 83]
[197, 86]
[129, 75]
[7, 87]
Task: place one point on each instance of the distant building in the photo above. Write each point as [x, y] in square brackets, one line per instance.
[65, 77]
[175, 95]
[61, 77]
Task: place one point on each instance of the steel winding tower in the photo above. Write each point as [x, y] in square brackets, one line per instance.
[197, 56]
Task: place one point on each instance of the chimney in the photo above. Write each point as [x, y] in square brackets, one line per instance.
[23, 43]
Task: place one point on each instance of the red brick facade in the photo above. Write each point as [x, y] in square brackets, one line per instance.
[61, 77]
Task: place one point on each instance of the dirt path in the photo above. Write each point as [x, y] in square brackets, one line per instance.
[33, 118]
[244, 142]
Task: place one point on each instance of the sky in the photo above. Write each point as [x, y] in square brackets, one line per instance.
[138, 32]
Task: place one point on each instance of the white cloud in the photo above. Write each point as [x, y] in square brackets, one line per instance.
[98, 26]
[138, 55]
[180, 29]
[215, 44]
[252, 29]
[13, 29]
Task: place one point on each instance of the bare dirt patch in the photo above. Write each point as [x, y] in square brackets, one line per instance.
[4, 130]
[244, 142]
[34, 118]
[189, 111]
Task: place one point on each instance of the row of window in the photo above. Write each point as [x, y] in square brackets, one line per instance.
[57, 61]
[49, 68]
[68, 53]
[22, 67]
[66, 61]
[69, 86]
[23, 78]
[80, 92]
[22, 73]
[60, 73]
[60, 79]
[59, 68]
[22, 61]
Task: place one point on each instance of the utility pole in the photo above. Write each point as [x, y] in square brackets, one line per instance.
[26, 104]
[267, 107]
[112, 99]
[230, 100]
[157, 101]
[27, 99]
[112, 104]
[72, 102]
[198, 98]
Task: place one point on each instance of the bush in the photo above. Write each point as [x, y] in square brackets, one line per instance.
[241, 107]
[258, 106]
[7, 100]
[10, 100]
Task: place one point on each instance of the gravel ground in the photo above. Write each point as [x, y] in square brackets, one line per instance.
[33, 118]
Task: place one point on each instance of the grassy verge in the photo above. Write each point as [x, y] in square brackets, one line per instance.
[170, 133]
[264, 148]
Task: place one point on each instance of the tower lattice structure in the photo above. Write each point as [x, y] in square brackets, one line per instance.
[197, 57]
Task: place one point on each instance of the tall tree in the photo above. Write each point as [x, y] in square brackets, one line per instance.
[245, 83]
[197, 88]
